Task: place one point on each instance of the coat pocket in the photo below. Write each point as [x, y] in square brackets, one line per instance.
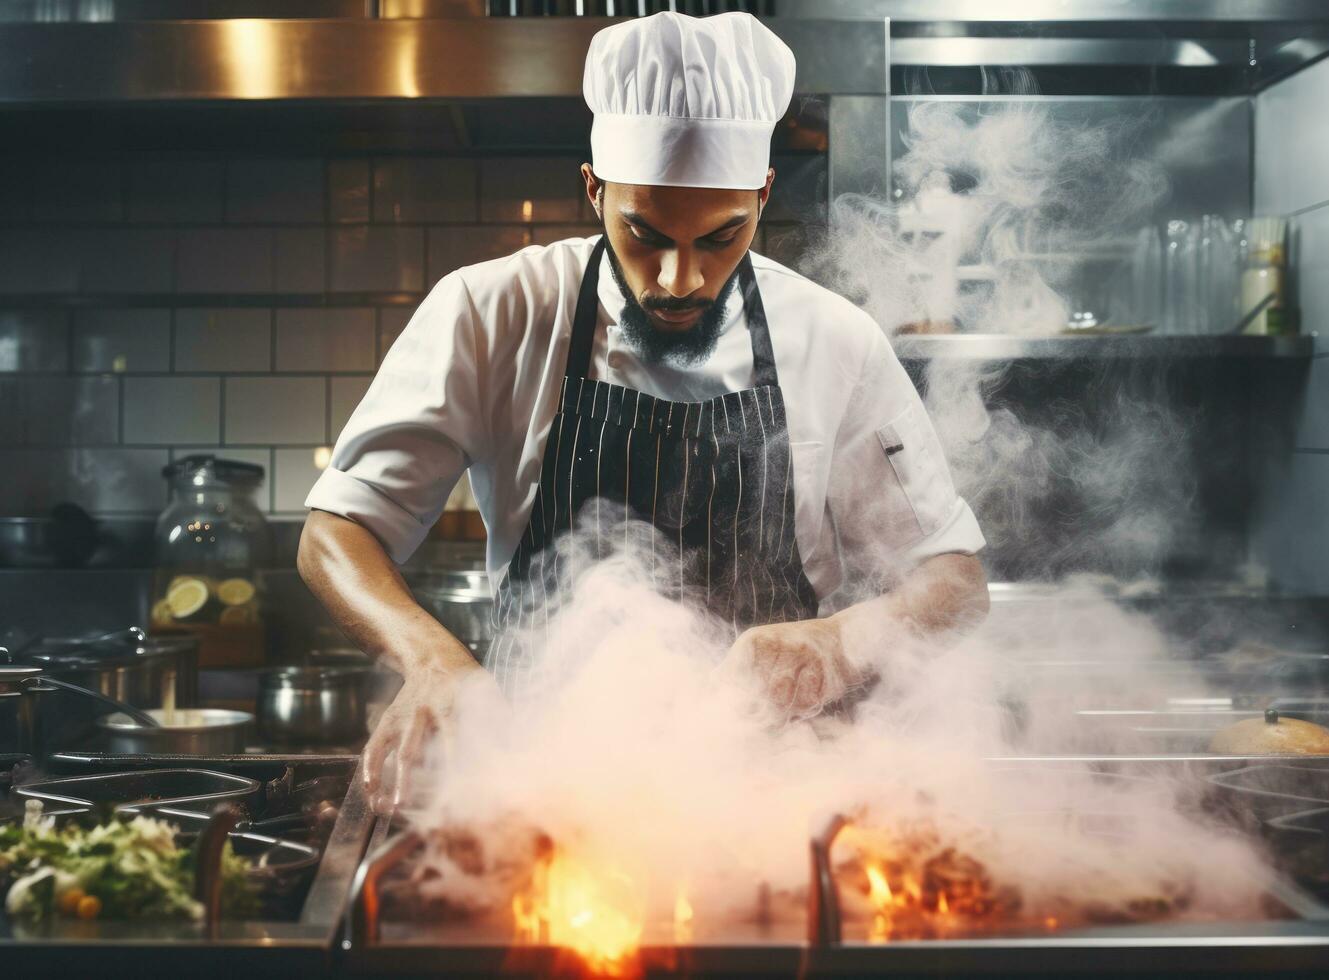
[914, 453]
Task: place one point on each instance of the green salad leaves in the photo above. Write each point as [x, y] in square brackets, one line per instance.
[122, 869]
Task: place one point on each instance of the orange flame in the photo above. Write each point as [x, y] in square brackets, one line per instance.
[683, 916]
[879, 887]
[597, 915]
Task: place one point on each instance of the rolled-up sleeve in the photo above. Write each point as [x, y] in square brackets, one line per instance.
[890, 493]
[418, 428]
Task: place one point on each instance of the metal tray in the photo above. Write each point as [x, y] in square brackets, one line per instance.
[128, 792]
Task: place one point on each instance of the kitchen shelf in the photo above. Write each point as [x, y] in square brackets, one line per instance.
[1002, 347]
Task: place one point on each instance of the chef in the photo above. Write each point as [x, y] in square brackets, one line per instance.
[759, 424]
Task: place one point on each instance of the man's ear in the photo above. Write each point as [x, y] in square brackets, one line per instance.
[764, 193]
[594, 189]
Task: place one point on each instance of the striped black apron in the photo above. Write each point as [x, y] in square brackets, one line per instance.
[706, 488]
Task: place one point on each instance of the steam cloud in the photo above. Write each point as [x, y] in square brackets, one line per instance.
[629, 750]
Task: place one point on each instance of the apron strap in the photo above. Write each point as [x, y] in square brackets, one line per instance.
[763, 354]
[588, 305]
[583, 321]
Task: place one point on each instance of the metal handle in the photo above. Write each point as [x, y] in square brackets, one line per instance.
[208, 864]
[362, 916]
[141, 717]
[133, 634]
[824, 928]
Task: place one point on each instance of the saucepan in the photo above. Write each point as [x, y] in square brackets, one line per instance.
[183, 731]
[313, 704]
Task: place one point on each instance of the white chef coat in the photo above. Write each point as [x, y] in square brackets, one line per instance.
[471, 385]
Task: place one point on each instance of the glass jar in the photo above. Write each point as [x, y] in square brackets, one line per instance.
[1264, 278]
[210, 541]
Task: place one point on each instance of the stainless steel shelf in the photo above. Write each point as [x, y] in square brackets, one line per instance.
[1004, 347]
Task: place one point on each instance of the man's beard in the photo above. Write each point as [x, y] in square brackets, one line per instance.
[681, 348]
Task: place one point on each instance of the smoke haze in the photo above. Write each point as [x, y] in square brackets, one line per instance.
[627, 748]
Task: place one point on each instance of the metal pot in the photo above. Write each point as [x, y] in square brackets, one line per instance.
[65, 539]
[127, 665]
[192, 731]
[313, 704]
[19, 730]
[460, 599]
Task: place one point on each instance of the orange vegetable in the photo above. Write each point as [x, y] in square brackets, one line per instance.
[68, 901]
[89, 907]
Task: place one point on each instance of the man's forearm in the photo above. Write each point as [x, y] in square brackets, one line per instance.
[943, 594]
[361, 587]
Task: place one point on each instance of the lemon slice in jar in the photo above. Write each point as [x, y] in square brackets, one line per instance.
[161, 613]
[233, 615]
[187, 597]
[170, 587]
[235, 591]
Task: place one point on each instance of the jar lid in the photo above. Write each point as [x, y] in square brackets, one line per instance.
[227, 470]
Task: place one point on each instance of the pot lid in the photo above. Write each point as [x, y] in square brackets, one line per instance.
[100, 649]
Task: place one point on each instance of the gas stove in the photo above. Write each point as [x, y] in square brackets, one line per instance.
[389, 934]
[288, 814]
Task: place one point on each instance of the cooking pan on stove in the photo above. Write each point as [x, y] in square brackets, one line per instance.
[279, 866]
[132, 792]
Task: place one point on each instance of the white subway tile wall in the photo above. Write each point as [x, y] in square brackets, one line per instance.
[268, 190]
[122, 340]
[370, 258]
[277, 411]
[325, 339]
[124, 260]
[225, 339]
[11, 406]
[348, 191]
[300, 257]
[176, 188]
[16, 180]
[460, 245]
[1292, 177]
[157, 304]
[77, 188]
[392, 321]
[408, 189]
[38, 260]
[70, 410]
[225, 260]
[34, 340]
[165, 411]
[294, 472]
[107, 481]
[528, 189]
[345, 395]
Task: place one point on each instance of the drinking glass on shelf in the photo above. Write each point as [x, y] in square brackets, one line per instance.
[1146, 279]
[1179, 279]
[1218, 273]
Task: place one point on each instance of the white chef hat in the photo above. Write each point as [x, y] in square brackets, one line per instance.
[686, 101]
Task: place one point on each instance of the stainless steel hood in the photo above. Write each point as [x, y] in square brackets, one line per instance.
[357, 59]
[62, 52]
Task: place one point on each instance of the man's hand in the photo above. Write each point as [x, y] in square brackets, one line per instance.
[345, 566]
[426, 706]
[807, 666]
[800, 667]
